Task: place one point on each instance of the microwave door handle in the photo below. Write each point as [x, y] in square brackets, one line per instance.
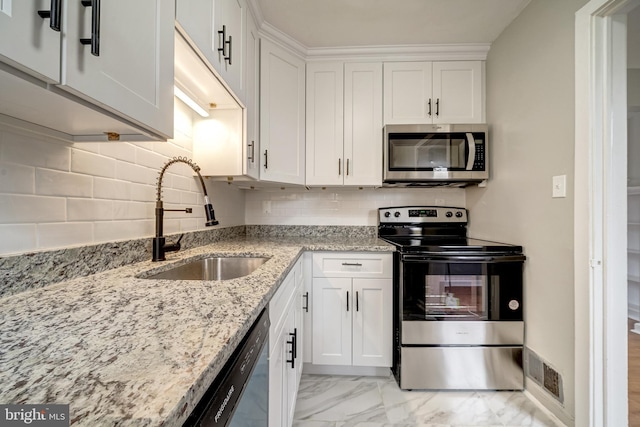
[472, 151]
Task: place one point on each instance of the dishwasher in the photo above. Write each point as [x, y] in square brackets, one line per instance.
[238, 397]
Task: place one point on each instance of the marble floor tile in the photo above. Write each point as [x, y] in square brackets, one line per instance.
[341, 401]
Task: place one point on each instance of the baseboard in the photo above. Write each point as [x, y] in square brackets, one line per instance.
[537, 395]
[360, 371]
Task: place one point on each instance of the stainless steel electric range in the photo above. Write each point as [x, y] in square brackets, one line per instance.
[458, 322]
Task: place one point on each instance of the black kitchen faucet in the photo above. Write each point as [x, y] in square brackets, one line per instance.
[159, 245]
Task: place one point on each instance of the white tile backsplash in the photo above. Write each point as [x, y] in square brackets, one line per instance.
[21, 209]
[90, 210]
[60, 234]
[57, 183]
[16, 178]
[92, 164]
[57, 195]
[34, 151]
[338, 206]
[105, 188]
[17, 238]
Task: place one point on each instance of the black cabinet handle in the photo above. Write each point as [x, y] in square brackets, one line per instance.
[54, 14]
[252, 144]
[339, 166]
[293, 342]
[94, 41]
[429, 104]
[437, 107]
[223, 43]
[347, 300]
[357, 303]
[347, 167]
[266, 159]
[305, 307]
[228, 57]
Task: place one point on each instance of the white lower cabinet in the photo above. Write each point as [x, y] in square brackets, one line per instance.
[352, 309]
[285, 348]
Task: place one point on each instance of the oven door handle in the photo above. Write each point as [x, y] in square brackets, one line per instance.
[463, 258]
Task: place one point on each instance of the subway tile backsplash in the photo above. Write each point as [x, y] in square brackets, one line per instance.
[342, 206]
[55, 195]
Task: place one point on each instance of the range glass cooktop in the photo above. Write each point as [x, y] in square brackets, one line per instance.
[428, 229]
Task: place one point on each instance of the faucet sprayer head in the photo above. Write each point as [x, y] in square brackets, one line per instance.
[208, 211]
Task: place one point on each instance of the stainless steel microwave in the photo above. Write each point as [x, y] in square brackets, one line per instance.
[433, 155]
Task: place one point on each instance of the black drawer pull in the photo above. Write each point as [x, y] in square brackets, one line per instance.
[94, 41]
[54, 14]
[305, 307]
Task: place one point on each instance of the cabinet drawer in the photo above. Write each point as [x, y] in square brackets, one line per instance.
[346, 264]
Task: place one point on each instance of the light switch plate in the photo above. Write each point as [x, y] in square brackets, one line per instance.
[559, 186]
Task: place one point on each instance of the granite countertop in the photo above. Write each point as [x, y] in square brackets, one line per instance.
[127, 351]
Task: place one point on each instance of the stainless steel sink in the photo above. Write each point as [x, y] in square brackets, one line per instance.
[212, 268]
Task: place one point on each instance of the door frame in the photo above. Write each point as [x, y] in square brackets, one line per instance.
[600, 230]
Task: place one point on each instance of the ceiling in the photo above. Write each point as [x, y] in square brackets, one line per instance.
[343, 23]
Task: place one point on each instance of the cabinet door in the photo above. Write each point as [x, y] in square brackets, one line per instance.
[26, 40]
[372, 323]
[290, 368]
[407, 93]
[195, 20]
[332, 311]
[363, 124]
[277, 378]
[307, 300]
[282, 124]
[458, 92]
[133, 73]
[325, 116]
[229, 62]
[252, 144]
[299, 303]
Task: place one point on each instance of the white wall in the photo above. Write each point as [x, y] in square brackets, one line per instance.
[338, 206]
[54, 195]
[530, 110]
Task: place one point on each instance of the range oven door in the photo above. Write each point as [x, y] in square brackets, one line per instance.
[453, 300]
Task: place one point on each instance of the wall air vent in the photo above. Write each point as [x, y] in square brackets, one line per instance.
[543, 374]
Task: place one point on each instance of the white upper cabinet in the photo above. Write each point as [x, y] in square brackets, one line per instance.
[282, 115]
[434, 92]
[344, 124]
[363, 123]
[28, 41]
[128, 67]
[252, 97]
[325, 128]
[217, 29]
[106, 75]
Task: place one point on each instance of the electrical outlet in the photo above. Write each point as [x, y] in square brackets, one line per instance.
[266, 207]
[559, 186]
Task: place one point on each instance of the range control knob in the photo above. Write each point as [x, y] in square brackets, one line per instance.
[387, 214]
[449, 214]
[397, 214]
[458, 214]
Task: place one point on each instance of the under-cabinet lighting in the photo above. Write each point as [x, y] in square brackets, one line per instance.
[190, 102]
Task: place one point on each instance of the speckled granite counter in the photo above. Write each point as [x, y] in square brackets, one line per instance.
[133, 352]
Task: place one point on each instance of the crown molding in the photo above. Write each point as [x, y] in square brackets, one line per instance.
[433, 52]
[273, 34]
[441, 52]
